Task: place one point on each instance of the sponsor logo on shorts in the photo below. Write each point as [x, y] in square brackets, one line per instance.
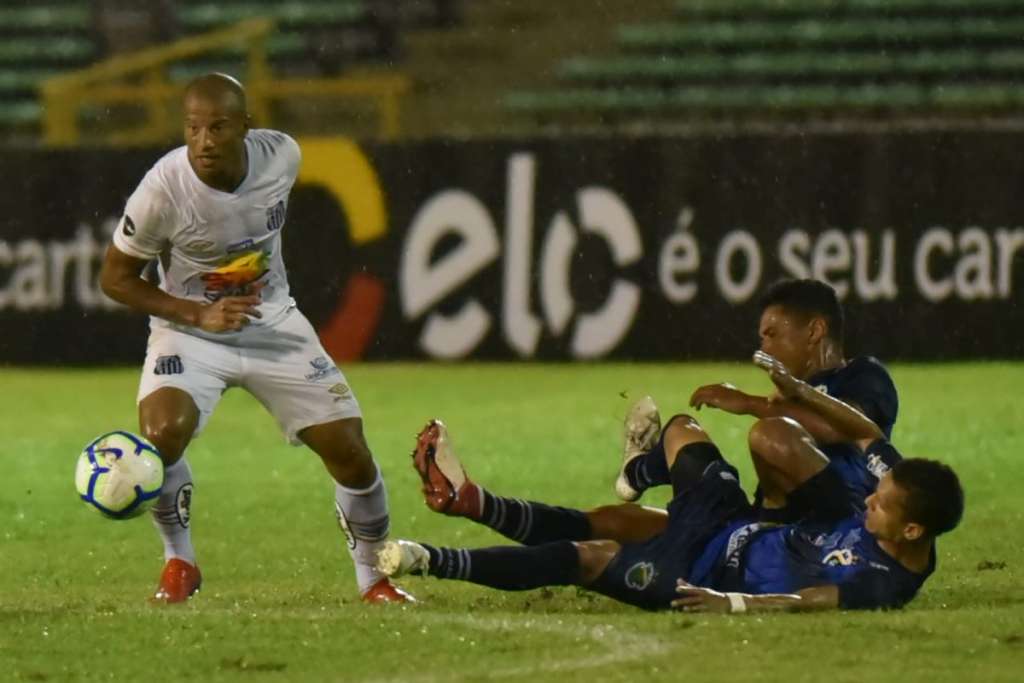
[350, 540]
[640, 575]
[340, 391]
[168, 365]
[183, 504]
[275, 216]
[322, 367]
[129, 226]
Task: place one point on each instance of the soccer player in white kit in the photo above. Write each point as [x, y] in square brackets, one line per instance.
[211, 214]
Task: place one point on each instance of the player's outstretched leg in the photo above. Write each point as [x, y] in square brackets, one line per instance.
[168, 418]
[511, 568]
[447, 489]
[399, 558]
[641, 430]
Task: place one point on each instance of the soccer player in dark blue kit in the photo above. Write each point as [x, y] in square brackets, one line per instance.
[714, 554]
[801, 326]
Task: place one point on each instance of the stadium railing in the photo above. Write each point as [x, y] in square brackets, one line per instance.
[142, 78]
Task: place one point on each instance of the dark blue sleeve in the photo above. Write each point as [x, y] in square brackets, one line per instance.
[881, 456]
[868, 386]
[872, 588]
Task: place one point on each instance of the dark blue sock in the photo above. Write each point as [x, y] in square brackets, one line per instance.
[510, 568]
[533, 523]
[649, 469]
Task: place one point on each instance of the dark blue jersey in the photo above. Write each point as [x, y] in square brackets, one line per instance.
[713, 539]
[864, 383]
[758, 558]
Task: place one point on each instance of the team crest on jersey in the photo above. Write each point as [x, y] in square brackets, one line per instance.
[275, 216]
[129, 226]
[640, 575]
[322, 367]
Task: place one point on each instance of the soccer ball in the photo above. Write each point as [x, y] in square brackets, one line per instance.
[119, 474]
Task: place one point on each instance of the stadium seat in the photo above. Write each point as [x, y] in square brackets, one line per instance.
[47, 18]
[61, 51]
[759, 57]
[862, 65]
[791, 8]
[206, 16]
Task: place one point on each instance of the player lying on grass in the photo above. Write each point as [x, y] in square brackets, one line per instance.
[713, 554]
[801, 325]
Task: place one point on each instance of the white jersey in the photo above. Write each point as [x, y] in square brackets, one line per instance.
[211, 243]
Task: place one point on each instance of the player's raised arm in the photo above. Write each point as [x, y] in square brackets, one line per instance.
[732, 400]
[120, 279]
[697, 599]
[829, 413]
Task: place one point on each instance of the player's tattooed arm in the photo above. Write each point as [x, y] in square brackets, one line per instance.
[840, 418]
[697, 599]
[120, 280]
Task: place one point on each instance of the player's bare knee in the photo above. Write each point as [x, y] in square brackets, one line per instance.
[684, 426]
[170, 433]
[595, 556]
[775, 439]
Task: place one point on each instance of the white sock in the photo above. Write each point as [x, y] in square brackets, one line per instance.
[172, 512]
[363, 516]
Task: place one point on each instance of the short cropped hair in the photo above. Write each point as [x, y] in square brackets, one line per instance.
[935, 499]
[810, 298]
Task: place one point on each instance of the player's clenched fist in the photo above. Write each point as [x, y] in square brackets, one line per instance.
[229, 314]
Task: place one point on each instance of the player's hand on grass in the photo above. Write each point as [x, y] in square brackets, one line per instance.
[696, 599]
[722, 396]
[788, 386]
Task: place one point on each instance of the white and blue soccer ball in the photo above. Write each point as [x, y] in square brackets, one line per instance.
[120, 474]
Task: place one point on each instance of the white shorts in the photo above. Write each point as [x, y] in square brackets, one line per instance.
[284, 366]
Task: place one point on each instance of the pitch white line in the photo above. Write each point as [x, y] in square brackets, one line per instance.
[620, 646]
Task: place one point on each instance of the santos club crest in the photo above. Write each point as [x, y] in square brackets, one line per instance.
[275, 216]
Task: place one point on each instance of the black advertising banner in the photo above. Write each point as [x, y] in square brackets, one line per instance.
[571, 248]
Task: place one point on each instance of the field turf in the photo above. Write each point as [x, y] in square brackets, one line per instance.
[279, 601]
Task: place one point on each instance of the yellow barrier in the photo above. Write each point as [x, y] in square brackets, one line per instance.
[105, 84]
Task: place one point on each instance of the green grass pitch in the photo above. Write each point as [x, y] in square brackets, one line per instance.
[279, 601]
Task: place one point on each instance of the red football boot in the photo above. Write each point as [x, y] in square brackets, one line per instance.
[446, 488]
[178, 582]
[384, 592]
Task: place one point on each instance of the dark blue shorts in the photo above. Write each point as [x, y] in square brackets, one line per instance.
[644, 574]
